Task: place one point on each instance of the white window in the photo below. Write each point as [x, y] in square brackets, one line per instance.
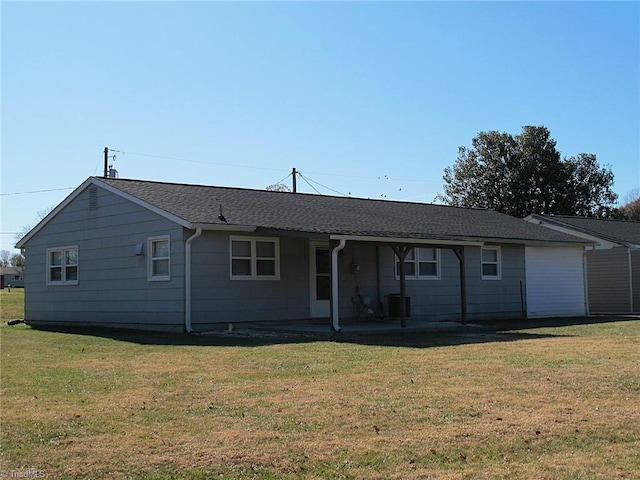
[159, 258]
[491, 268]
[62, 266]
[421, 264]
[255, 258]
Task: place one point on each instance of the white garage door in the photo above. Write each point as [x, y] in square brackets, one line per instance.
[555, 282]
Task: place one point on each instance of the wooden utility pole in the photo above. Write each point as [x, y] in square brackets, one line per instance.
[294, 172]
[106, 161]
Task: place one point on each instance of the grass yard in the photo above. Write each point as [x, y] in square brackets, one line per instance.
[545, 403]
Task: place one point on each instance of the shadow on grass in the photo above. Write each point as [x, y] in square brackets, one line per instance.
[459, 334]
[557, 322]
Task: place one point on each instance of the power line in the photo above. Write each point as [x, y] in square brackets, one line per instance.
[37, 191]
[381, 177]
[321, 185]
[199, 161]
[204, 162]
[307, 181]
[284, 178]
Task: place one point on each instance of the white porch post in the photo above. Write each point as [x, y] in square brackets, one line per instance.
[335, 318]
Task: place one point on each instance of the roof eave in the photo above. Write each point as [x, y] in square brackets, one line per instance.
[470, 242]
[98, 182]
[222, 227]
[415, 241]
[569, 226]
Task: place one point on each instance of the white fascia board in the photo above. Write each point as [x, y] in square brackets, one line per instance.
[544, 243]
[468, 243]
[413, 241]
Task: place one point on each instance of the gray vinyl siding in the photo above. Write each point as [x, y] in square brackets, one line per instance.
[635, 269]
[438, 300]
[112, 288]
[217, 299]
[496, 299]
[608, 280]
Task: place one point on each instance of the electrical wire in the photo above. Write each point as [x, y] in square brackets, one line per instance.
[364, 177]
[199, 161]
[307, 181]
[321, 185]
[37, 191]
[284, 178]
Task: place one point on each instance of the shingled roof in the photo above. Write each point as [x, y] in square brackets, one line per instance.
[624, 232]
[300, 212]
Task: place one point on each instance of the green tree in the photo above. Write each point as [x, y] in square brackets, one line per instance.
[588, 188]
[523, 174]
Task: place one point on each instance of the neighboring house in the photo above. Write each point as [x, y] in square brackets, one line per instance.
[612, 264]
[174, 257]
[11, 277]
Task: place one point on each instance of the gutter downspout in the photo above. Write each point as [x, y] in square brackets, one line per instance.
[335, 319]
[585, 274]
[187, 280]
[631, 305]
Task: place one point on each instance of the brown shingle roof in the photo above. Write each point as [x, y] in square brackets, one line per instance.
[200, 204]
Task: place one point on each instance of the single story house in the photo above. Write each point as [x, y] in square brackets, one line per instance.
[11, 277]
[612, 263]
[175, 257]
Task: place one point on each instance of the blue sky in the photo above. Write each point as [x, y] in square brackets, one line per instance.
[368, 99]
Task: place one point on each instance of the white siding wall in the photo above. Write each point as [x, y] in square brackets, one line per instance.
[555, 282]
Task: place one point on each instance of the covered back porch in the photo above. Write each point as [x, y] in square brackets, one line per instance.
[393, 308]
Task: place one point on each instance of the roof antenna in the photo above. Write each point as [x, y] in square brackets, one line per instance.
[221, 216]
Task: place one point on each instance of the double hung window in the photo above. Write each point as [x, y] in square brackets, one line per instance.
[255, 258]
[62, 266]
[159, 258]
[491, 267]
[421, 264]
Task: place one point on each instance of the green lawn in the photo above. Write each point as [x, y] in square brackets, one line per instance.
[546, 403]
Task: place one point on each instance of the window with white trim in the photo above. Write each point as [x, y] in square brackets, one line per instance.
[491, 265]
[255, 258]
[421, 264]
[159, 258]
[62, 266]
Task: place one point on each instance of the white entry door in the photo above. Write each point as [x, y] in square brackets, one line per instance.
[320, 281]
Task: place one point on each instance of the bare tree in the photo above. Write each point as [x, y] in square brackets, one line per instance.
[278, 187]
[631, 208]
[17, 260]
[40, 215]
[5, 258]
